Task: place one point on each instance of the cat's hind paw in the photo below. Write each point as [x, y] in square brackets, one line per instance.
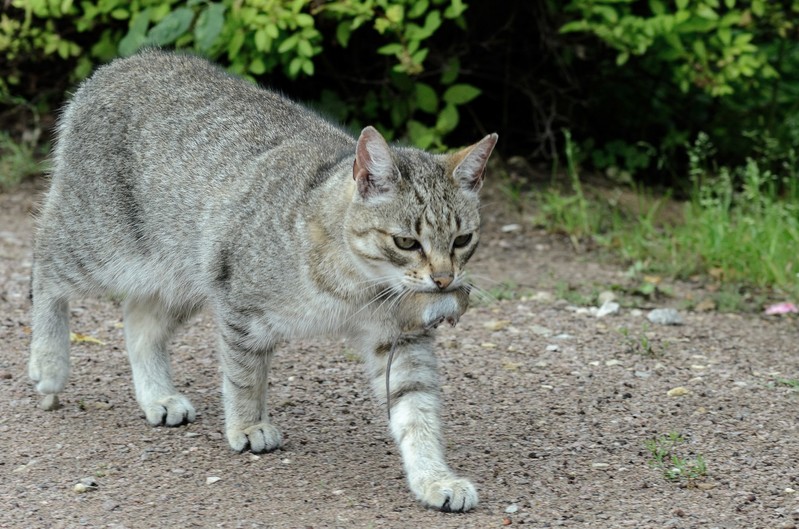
[261, 437]
[451, 494]
[172, 410]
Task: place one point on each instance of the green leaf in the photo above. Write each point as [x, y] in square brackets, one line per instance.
[343, 33]
[308, 67]
[395, 13]
[304, 48]
[257, 66]
[455, 9]
[262, 40]
[681, 4]
[451, 71]
[288, 44]
[209, 26]
[171, 27]
[460, 93]
[574, 26]
[447, 119]
[390, 49]
[418, 8]
[420, 135]
[136, 36]
[235, 44]
[426, 98]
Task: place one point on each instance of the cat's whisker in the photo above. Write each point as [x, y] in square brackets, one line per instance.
[482, 294]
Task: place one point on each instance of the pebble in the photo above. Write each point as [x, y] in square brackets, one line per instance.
[600, 465]
[609, 307]
[512, 508]
[543, 296]
[636, 313]
[507, 228]
[552, 348]
[210, 480]
[665, 317]
[679, 391]
[5, 375]
[496, 325]
[606, 296]
[541, 331]
[85, 485]
[613, 362]
[50, 402]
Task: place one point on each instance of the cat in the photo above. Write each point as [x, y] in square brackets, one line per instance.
[178, 186]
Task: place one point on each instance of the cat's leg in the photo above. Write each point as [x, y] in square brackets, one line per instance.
[245, 371]
[49, 360]
[149, 325]
[415, 424]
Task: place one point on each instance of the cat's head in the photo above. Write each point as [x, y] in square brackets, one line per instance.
[415, 219]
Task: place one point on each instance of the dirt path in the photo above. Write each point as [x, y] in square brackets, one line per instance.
[548, 408]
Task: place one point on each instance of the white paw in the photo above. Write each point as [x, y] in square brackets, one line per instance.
[49, 374]
[172, 410]
[449, 494]
[261, 437]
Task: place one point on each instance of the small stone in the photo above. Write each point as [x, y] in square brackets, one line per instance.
[102, 406]
[210, 480]
[488, 345]
[564, 336]
[50, 402]
[642, 374]
[789, 490]
[664, 317]
[679, 391]
[338, 492]
[552, 348]
[512, 508]
[285, 461]
[5, 375]
[507, 228]
[541, 331]
[600, 465]
[706, 305]
[506, 521]
[609, 307]
[613, 362]
[543, 296]
[636, 313]
[85, 485]
[496, 325]
[192, 434]
[110, 505]
[606, 296]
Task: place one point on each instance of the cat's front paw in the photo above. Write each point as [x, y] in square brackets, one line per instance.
[261, 437]
[448, 494]
[172, 410]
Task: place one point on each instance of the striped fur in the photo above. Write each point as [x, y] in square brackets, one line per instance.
[180, 186]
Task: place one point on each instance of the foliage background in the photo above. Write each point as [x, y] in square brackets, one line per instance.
[635, 81]
[699, 98]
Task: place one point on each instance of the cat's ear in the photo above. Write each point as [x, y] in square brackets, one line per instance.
[374, 169]
[470, 163]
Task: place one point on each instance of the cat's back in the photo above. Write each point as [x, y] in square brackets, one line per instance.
[166, 100]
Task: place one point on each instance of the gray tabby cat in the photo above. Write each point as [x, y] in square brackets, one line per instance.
[180, 186]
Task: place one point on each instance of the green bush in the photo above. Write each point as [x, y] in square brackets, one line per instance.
[728, 67]
[255, 38]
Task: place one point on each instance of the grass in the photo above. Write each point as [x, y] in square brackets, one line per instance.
[664, 452]
[18, 160]
[740, 228]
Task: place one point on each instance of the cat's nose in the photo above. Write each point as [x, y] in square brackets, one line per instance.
[442, 281]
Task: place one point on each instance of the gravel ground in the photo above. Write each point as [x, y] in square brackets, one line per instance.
[546, 407]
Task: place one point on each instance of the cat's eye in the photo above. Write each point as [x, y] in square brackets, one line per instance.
[407, 243]
[462, 240]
